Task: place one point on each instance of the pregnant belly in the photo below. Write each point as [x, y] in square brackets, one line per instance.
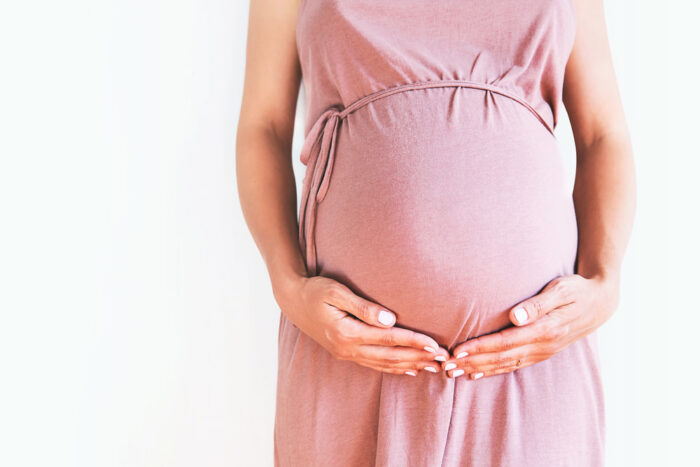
[447, 206]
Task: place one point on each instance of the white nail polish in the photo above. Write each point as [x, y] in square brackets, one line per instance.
[520, 315]
[456, 373]
[478, 375]
[409, 372]
[440, 358]
[462, 354]
[386, 318]
[430, 369]
[450, 366]
[429, 349]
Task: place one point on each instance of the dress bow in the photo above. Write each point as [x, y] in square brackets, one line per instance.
[317, 153]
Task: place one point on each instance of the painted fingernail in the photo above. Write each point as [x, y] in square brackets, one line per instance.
[386, 318]
[440, 358]
[430, 369]
[462, 354]
[450, 366]
[409, 372]
[456, 373]
[477, 375]
[429, 349]
[520, 314]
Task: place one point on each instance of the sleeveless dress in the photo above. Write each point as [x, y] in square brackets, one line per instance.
[434, 186]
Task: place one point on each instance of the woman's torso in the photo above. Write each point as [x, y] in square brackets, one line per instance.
[446, 201]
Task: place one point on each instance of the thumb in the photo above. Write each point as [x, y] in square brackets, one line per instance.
[537, 306]
[365, 310]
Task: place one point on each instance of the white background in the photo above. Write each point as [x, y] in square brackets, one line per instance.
[138, 325]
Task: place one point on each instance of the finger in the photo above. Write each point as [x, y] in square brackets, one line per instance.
[505, 367]
[375, 367]
[392, 371]
[556, 293]
[498, 371]
[404, 368]
[395, 371]
[495, 361]
[480, 374]
[365, 334]
[490, 360]
[391, 356]
[369, 312]
[541, 340]
[506, 339]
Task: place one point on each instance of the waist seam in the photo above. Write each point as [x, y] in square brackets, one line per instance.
[386, 92]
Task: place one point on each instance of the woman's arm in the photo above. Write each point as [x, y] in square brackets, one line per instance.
[347, 325]
[605, 187]
[570, 307]
[264, 172]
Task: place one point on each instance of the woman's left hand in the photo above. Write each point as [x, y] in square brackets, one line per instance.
[567, 309]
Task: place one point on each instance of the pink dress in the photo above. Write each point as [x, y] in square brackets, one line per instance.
[435, 187]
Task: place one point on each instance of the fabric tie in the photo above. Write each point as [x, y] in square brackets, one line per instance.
[317, 154]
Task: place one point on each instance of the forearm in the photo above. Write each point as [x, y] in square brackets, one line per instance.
[605, 200]
[267, 193]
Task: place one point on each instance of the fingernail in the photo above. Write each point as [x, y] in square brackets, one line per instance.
[456, 373]
[409, 372]
[430, 369]
[477, 375]
[520, 315]
[440, 358]
[450, 366]
[429, 349]
[386, 318]
[462, 354]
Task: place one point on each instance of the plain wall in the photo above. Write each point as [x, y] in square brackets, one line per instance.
[138, 324]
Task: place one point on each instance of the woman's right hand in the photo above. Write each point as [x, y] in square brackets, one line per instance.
[352, 328]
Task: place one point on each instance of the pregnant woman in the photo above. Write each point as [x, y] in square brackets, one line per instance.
[441, 287]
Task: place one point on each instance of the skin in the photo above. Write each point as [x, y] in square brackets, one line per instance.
[347, 325]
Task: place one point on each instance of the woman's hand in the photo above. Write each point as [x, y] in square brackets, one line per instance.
[567, 309]
[352, 328]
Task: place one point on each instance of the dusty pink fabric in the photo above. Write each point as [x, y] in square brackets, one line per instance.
[435, 187]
